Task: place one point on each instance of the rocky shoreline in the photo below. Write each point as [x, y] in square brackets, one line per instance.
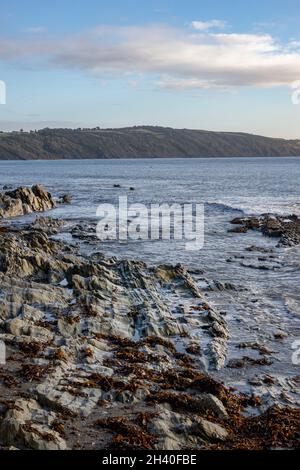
[286, 229]
[100, 355]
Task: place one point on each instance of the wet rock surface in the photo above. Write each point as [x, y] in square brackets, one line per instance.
[107, 353]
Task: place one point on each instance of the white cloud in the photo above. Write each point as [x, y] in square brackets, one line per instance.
[206, 25]
[133, 83]
[177, 59]
[294, 45]
[181, 84]
[35, 29]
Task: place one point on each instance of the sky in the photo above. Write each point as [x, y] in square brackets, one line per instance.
[224, 65]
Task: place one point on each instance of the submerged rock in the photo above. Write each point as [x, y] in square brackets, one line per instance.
[65, 199]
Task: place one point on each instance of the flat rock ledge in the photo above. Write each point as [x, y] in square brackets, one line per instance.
[23, 201]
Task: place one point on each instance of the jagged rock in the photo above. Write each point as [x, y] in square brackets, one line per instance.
[287, 229]
[172, 429]
[247, 222]
[129, 397]
[213, 404]
[58, 394]
[19, 327]
[67, 329]
[238, 221]
[242, 229]
[48, 225]
[224, 285]
[272, 227]
[28, 425]
[16, 326]
[180, 276]
[25, 200]
[209, 430]
[218, 352]
[177, 431]
[9, 309]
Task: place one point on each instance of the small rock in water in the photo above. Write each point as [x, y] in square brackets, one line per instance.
[65, 199]
[279, 335]
[242, 229]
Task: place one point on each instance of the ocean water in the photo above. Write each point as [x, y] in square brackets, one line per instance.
[254, 185]
[266, 297]
[227, 186]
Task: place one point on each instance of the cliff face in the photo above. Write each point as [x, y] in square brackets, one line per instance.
[139, 142]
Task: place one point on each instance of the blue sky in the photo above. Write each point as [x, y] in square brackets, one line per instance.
[218, 65]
